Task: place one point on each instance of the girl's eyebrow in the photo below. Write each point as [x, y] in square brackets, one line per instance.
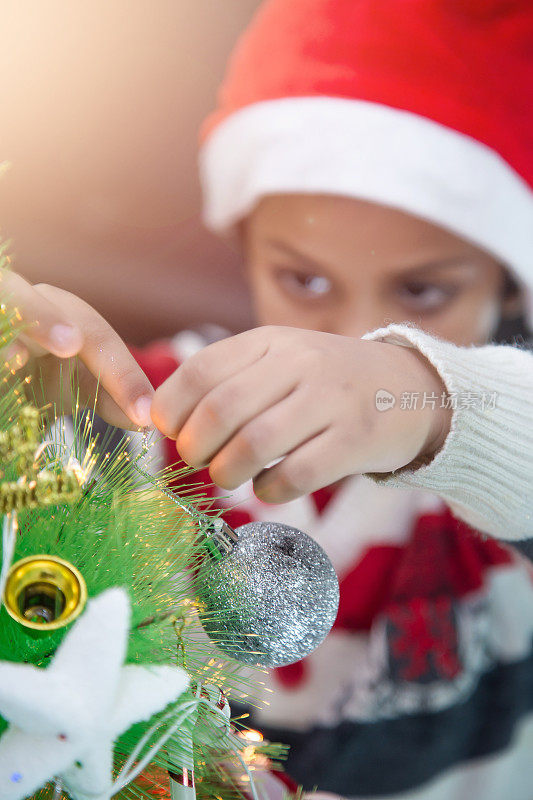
[430, 268]
[427, 269]
[296, 254]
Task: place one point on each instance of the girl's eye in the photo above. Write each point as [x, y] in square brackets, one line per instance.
[305, 284]
[421, 296]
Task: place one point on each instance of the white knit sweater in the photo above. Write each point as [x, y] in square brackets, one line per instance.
[485, 469]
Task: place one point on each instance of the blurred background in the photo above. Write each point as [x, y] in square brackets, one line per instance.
[100, 106]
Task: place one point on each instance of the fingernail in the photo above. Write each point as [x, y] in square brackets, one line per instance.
[261, 491]
[141, 411]
[64, 338]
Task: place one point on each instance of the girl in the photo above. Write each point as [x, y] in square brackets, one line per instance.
[374, 158]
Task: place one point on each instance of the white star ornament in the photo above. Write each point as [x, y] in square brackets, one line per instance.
[63, 720]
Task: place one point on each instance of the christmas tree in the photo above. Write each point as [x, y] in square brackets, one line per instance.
[108, 686]
[109, 582]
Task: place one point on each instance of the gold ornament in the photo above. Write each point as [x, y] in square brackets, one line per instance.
[34, 488]
[44, 593]
[20, 442]
[45, 489]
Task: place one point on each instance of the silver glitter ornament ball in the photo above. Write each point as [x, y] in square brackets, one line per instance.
[272, 599]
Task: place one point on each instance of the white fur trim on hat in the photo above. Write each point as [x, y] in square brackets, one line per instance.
[372, 152]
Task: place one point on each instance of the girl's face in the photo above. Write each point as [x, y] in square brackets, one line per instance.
[345, 266]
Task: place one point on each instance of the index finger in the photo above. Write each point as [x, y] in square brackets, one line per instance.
[106, 356]
[46, 323]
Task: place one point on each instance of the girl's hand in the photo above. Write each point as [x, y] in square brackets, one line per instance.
[57, 326]
[303, 396]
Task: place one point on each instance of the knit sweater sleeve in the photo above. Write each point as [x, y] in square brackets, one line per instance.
[484, 471]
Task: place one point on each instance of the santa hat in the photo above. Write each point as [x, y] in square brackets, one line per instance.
[422, 105]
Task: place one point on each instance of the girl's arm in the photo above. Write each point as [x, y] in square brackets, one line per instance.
[296, 410]
[484, 470]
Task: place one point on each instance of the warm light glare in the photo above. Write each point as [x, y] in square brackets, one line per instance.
[252, 735]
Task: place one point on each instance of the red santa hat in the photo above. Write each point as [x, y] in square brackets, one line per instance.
[422, 105]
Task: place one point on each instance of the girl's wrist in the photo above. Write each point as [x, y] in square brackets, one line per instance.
[433, 420]
[439, 417]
